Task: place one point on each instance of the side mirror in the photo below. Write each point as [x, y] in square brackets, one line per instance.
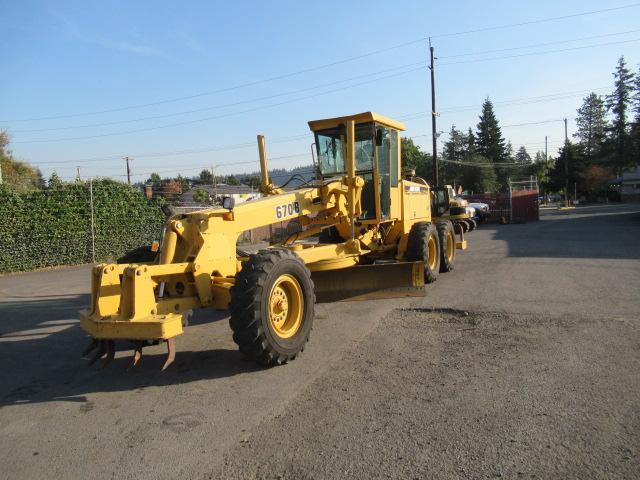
[228, 203]
[379, 137]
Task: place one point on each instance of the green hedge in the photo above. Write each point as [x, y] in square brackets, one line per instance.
[53, 226]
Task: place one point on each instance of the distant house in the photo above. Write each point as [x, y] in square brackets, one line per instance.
[630, 185]
[241, 193]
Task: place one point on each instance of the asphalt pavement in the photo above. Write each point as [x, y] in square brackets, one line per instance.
[521, 363]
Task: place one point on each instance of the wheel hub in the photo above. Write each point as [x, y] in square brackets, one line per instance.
[285, 306]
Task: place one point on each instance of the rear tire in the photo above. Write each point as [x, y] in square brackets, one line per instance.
[472, 224]
[423, 246]
[272, 304]
[447, 238]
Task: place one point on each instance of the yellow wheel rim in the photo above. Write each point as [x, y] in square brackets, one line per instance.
[450, 246]
[432, 248]
[286, 306]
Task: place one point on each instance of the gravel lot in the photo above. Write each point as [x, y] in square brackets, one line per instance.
[441, 394]
[522, 363]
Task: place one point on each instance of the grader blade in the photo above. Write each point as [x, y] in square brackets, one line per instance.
[369, 282]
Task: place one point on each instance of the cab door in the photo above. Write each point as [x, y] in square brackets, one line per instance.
[386, 171]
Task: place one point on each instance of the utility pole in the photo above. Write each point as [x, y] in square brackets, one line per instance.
[566, 164]
[546, 156]
[214, 180]
[128, 170]
[433, 117]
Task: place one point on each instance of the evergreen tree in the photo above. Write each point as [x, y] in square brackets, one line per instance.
[522, 156]
[635, 128]
[455, 148]
[478, 175]
[184, 183]
[206, 177]
[155, 180]
[618, 103]
[454, 151]
[574, 155]
[489, 141]
[592, 125]
[54, 181]
[541, 168]
[471, 142]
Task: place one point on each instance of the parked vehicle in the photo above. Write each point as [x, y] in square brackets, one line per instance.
[482, 211]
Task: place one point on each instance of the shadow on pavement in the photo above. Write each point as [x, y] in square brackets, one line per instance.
[41, 343]
[593, 233]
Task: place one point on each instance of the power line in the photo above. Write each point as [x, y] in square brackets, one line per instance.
[505, 103]
[187, 169]
[541, 53]
[308, 96]
[233, 147]
[221, 90]
[534, 22]
[276, 158]
[484, 52]
[534, 123]
[217, 107]
[486, 164]
[326, 65]
[190, 122]
[177, 152]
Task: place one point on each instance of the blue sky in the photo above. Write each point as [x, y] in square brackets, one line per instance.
[179, 83]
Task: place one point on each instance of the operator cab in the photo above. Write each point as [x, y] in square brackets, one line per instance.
[440, 200]
[377, 157]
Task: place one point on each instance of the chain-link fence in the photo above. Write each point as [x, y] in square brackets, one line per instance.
[74, 223]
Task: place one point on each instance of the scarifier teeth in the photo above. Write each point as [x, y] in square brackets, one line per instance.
[171, 353]
[111, 352]
[102, 350]
[137, 354]
[93, 343]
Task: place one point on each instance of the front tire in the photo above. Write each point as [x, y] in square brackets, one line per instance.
[447, 239]
[423, 246]
[272, 306]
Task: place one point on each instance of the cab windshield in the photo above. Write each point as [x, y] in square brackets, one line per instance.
[331, 148]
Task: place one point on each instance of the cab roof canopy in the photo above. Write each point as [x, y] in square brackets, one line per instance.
[365, 117]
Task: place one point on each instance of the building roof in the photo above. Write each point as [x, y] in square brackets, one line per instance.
[358, 118]
[220, 190]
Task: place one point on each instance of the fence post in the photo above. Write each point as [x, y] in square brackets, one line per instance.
[510, 202]
[93, 229]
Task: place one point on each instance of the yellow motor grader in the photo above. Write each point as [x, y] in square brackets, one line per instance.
[382, 236]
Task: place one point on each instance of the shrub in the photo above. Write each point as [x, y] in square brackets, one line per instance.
[53, 226]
